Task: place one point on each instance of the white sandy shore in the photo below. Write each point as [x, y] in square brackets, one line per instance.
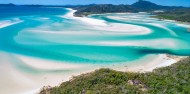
[154, 43]
[84, 19]
[164, 27]
[6, 23]
[14, 80]
[184, 25]
[162, 60]
[101, 25]
[26, 75]
[23, 75]
[124, 28]
[43, 64]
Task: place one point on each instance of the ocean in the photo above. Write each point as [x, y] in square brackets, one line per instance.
[54, 34]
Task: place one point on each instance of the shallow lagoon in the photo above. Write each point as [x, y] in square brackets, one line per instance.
[42, 42]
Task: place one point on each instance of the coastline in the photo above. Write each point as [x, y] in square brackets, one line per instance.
[163, 60]
[181, 22]
[155, 16]
[30, 81]
[18, 72]
[185, 24]
[43, 79]
[111, 27]
[9, 22]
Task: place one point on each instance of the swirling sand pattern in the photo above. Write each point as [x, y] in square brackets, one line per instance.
[112, 38]
[52, 43]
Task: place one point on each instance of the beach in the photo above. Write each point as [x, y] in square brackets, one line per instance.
[22, 81]
[51, 50]
[9, 22]
[29, 83]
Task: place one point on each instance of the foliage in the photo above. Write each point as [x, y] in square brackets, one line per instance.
[173, 79]
[182, 15]
[140, 6]
[104, 8]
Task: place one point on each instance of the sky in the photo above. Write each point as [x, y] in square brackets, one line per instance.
[83, 2]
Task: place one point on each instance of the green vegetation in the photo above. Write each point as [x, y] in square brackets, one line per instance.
[169, 12]
[174, 79]
[182, 15]
[143, 5]
[140, 6]
[104, 8]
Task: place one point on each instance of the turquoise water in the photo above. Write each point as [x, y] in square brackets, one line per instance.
[47, 33]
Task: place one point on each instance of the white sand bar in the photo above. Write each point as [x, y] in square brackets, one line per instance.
[6, 23]
[16, 81]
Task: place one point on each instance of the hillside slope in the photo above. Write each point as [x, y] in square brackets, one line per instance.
[174, 79]
[104, 8]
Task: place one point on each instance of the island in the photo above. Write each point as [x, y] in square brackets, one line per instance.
[162, 12]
